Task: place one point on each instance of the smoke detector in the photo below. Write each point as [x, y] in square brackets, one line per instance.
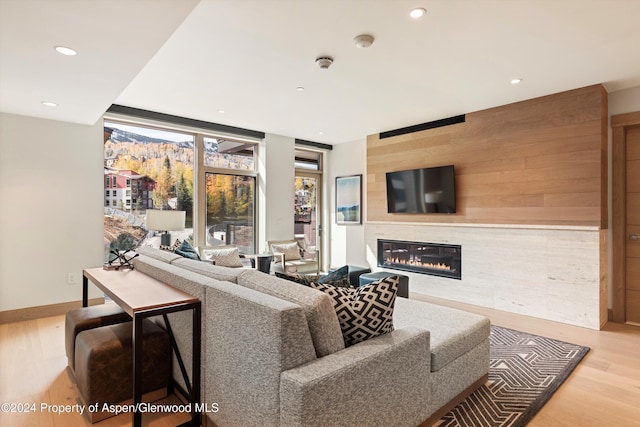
[363, 40]
[324, 62]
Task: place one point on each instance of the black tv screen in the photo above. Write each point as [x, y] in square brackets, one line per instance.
[427, 190]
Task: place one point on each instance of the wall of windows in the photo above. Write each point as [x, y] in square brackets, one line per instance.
[153, 167]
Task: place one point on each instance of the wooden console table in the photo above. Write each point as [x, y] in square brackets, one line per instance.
[142, 296]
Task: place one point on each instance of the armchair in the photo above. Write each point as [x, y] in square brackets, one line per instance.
[291, 257]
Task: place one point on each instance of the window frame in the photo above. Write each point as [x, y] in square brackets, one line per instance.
[199, 170]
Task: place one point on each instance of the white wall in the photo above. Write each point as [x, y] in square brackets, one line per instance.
[275, 189]
[51, 220]
[346, 242]
[624, 101]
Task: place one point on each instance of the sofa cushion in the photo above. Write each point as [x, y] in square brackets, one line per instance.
[453, 332]
[164, 256]
[363, 312]
[318, 308]
[187, 251]
[213, 271]
[225, 257]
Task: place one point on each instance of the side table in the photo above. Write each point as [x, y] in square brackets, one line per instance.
[141, 297]
[263, 262]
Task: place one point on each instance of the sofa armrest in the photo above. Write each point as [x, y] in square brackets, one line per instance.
[381, 381]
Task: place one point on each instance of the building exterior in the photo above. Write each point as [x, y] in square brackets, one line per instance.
[127, 190]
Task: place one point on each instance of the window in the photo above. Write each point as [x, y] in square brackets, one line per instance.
[308, 160]
[228, 154]
[158, 166]
[159, 163]
[231, 210]
[107, 193]
[107, 181]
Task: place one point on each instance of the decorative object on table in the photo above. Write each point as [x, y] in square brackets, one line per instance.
[525, 370]
[119, 260]
[349, 199]
[165, 221]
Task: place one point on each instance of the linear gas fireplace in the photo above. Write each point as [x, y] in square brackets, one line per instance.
[420, 257]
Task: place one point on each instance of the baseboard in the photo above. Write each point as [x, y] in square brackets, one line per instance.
[30, 313]
[454, 402]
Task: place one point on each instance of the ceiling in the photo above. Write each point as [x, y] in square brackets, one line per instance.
[247, 57]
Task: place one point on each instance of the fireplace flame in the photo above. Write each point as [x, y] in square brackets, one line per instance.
[414, 263]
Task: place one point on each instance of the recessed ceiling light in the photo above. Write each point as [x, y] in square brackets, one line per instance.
[221, 111]
[65, 50]
[49, 104]
[320, 133]
[300, 89]
[515, 81]
[417, 12]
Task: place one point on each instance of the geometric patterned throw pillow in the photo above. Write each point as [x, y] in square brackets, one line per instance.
[364, 312]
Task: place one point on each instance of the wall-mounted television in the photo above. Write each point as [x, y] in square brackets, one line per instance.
[427, 190]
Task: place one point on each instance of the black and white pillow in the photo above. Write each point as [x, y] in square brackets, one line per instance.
[363, 312]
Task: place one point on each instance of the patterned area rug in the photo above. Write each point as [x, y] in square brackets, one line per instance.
[525, 370]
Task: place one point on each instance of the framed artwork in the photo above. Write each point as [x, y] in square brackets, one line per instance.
[349, 199]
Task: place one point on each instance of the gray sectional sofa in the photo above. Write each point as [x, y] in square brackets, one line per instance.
[273, 353]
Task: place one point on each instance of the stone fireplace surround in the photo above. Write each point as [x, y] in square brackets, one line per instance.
[551, 272]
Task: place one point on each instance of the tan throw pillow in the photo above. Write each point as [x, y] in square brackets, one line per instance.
[229, 257]
[291, 251]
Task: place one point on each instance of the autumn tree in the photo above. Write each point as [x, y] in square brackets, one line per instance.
[164, 184]
[184, 197]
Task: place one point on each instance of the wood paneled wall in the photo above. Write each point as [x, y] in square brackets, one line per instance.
[540, 161]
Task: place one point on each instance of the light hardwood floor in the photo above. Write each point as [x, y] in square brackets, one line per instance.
[604, 390]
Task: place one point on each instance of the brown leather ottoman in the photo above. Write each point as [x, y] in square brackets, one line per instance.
[81, 319]
[104, 365]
